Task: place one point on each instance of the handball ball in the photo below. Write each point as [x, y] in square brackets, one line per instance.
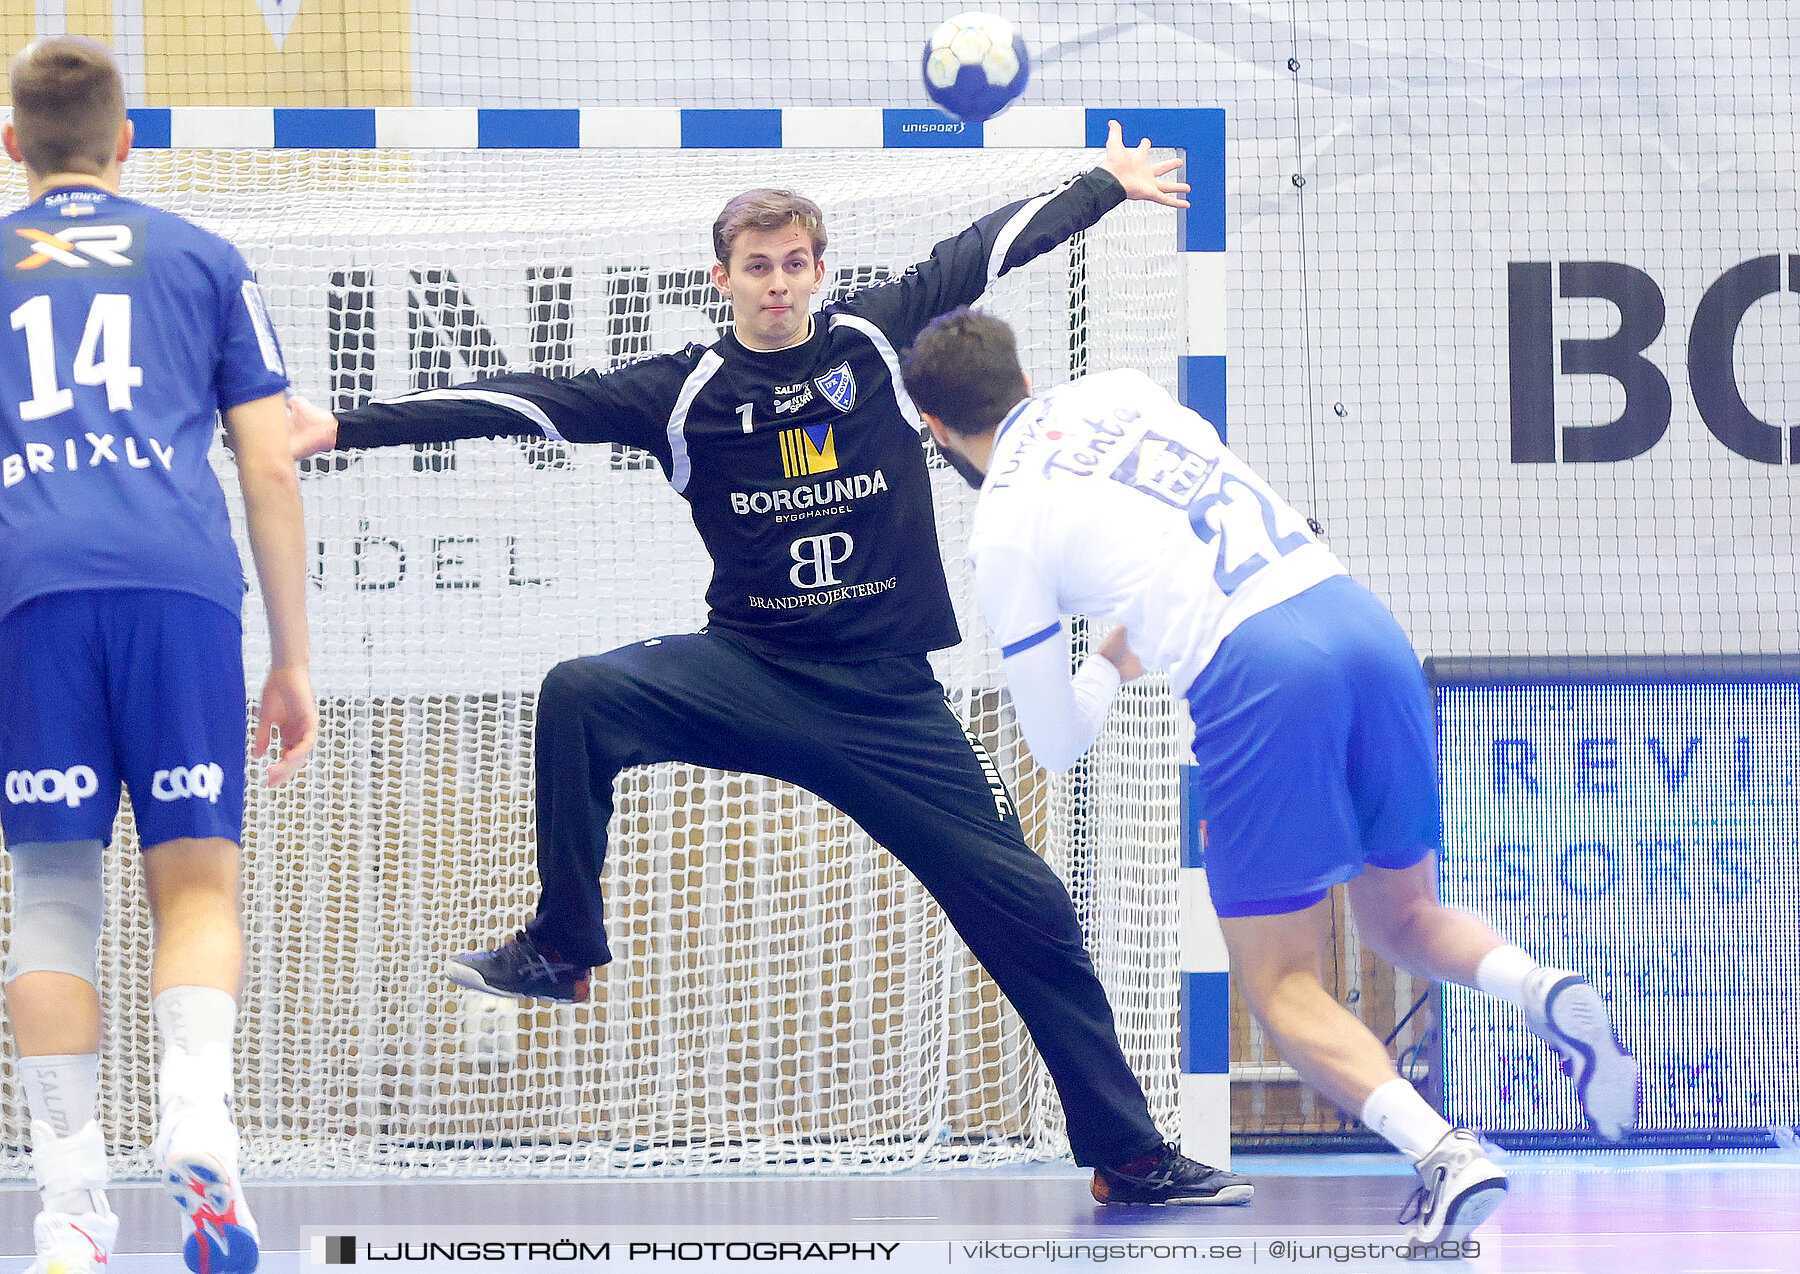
[975, 65]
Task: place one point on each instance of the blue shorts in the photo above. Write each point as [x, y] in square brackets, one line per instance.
[144, 686]
[1316, 749]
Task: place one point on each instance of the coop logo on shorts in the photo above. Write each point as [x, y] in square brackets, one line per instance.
[189, 782]
[816, 559]
[51, 787]
[75, 247]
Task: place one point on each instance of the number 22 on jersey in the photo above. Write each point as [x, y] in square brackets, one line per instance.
[1264, 533]
[103, 356]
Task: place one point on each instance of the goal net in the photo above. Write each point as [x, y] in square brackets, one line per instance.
[784, 995]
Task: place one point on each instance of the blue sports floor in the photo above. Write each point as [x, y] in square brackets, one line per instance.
[1630, 1212]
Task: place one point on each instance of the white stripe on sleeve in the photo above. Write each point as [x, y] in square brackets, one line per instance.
[885, 348]
[265, 327]
[511, 402]
[1016, 227]
[680, 469]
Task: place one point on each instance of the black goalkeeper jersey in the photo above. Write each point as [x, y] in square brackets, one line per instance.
[804, 468]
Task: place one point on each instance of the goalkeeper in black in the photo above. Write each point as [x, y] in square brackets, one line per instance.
[793, 440]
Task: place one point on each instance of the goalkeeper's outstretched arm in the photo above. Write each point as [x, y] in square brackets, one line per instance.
[629, 405]
[963, 266]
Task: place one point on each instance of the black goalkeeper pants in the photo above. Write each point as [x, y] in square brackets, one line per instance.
[877, 740]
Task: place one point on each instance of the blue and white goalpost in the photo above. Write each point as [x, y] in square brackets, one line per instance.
[432, 593]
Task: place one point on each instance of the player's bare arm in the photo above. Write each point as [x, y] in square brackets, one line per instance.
[260, 439]
[1142, 177]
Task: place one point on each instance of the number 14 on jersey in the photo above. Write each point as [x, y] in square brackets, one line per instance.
[103, 356]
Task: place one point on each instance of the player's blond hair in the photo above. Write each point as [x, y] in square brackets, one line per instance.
[68, 102]
[765, 209]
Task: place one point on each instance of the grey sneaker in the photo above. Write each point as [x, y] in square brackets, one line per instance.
[1568, 1013]
[1166, 1176]
[1461, 1189]
[522, 968]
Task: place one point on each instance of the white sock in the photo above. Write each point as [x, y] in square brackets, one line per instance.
[1404, 1119]
[191, 1017]
[1502, 973]
[196, 1024]
[62, 1089]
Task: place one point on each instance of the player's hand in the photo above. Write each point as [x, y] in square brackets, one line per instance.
[311, 429]
[288, 706]
[1141, 178]
[1117, 651]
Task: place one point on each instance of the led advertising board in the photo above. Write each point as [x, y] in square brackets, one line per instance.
[1638, 821]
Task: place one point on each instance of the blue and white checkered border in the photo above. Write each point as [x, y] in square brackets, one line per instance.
[1200, 231]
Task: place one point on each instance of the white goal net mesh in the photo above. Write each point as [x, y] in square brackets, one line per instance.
[784, 995]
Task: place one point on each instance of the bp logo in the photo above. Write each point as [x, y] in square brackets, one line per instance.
[817, 557]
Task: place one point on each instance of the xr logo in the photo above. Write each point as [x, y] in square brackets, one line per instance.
[105, 244]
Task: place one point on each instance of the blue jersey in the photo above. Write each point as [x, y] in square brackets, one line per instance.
[130, 330]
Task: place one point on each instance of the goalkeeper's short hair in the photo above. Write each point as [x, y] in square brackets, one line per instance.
[964, 369]
[766, 209]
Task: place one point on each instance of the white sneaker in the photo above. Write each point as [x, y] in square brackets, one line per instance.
[74, 1242]
[1461, 1189]
[79, 1240]
[1567, 1012]
[198, 1152]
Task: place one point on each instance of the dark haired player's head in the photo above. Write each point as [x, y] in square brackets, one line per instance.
[68, 109]
[963, 374]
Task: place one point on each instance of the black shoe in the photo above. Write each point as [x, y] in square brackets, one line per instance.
[520, 967]
[1166, 1176]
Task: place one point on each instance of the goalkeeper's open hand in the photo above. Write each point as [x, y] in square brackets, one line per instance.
[1141, 178]
[311, 429]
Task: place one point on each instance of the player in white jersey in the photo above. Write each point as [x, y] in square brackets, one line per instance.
[1314, 737]
[121, 647]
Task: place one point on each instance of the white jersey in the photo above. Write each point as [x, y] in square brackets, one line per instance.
[1105, 497]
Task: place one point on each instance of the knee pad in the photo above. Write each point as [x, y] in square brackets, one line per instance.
[59, 904]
